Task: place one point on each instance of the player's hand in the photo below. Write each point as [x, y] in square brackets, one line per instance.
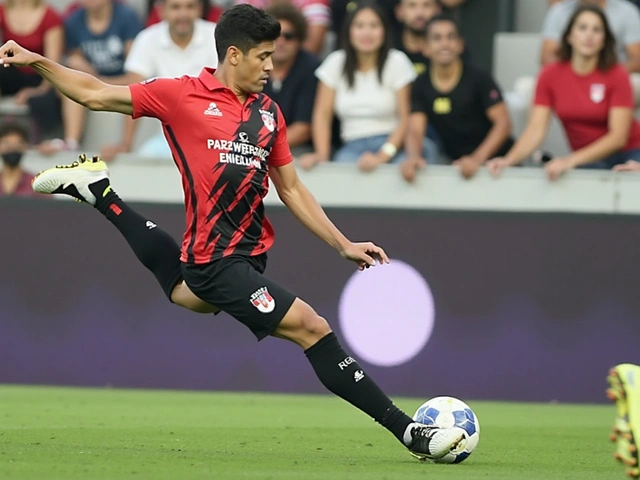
[13, 54]
[496, 165]
[409, 168]
[556, 167]
[468, 166]
[368, 161]
[628, 166]
[109, 152]
[309, 160]
[365, 254]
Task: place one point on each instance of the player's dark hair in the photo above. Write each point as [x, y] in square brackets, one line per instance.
[244, 27]
[607, 57]
[441, 18]
[351, 61]
[12, 128]
[293, 15]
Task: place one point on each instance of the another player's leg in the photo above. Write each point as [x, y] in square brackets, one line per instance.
[87, 180]
[342, 375]
[624, 389]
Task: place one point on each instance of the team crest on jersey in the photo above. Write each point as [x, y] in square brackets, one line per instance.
[213, 110]
[262, 300]
[597, 92]
[268, 119]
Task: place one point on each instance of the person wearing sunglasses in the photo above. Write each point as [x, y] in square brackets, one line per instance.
[292, 83]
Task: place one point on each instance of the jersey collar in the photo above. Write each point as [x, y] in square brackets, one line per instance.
[213, 84]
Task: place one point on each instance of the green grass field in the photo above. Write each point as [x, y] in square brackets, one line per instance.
[65, 433]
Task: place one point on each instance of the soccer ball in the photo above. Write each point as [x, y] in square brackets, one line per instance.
[450, 412]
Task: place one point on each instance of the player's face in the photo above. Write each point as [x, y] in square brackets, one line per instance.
[181, 15]
[367, 32]
[287, 44]
[587, 35]
[414, 14]
[255, 66]
[444, 45]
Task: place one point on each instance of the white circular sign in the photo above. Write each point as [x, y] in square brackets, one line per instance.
[386, 313]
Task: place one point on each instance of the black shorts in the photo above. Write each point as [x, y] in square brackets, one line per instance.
[237, 286]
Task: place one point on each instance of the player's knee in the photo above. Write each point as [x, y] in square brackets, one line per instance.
[315, 326]
[303, 325]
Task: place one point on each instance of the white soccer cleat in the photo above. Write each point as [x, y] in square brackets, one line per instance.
[435, 442]
[74, 180]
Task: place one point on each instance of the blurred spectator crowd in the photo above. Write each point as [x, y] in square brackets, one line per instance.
[363, 82]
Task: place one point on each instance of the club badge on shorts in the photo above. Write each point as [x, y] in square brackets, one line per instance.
[263, 301]
[597, 92]
[268, 119]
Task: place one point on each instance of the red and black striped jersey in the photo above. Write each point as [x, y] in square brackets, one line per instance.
[223, 150]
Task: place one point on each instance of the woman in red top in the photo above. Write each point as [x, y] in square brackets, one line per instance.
[591, 95]
[34, 23]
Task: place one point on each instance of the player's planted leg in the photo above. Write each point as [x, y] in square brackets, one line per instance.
[342, 375]
[87, 180]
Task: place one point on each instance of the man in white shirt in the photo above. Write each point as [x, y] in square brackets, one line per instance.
[180, 45]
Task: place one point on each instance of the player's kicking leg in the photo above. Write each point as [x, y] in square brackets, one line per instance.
[238, 287]
[341, 374]
[87, 180]
[624, 389]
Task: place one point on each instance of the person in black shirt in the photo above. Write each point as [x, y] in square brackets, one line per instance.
[462, 102]
[411, 38]
[292, 82]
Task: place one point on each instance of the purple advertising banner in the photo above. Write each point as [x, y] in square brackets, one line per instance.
[479, 306]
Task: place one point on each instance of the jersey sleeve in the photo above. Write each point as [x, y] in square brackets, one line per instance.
[488, 91]
[418, 98]
[544, 93]
[331, 70]
[156, 98]
[51, 20]
[139, 61]
[317, 12]
[621, 92]
[400, 70]
[280, 153]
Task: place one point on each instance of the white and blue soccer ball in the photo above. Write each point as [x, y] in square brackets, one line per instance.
[451, 412]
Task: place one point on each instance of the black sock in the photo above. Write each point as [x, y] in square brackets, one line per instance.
[342, 375]
[155, 248]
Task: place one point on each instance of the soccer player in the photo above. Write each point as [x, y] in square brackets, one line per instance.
[227, 140]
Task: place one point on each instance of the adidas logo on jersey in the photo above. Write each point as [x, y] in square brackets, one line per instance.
[359, 375]
[213, 110]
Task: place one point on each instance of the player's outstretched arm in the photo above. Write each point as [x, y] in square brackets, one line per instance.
[78, 86]
[299, 200]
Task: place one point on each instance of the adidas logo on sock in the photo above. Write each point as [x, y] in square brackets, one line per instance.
[359, 375]
[151, 225]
